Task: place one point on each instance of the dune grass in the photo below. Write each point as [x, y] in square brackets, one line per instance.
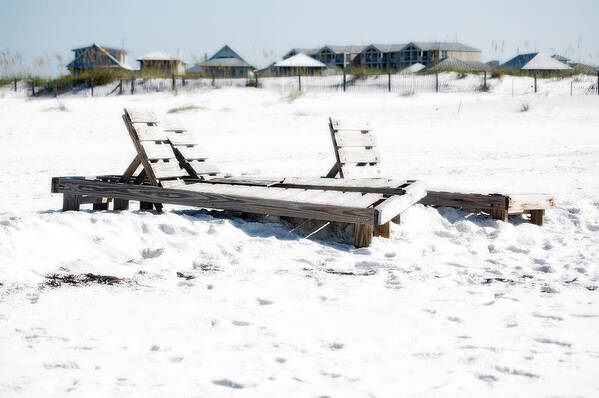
[185, 108]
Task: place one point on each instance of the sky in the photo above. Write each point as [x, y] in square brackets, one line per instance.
[262, 31]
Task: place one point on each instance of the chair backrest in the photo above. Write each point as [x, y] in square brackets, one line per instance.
[355, 150]
[190, 155]
[153, 147]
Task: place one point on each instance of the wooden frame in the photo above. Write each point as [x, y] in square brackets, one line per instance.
[498, 206]
[167, 177]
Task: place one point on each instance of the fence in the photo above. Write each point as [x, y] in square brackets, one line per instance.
[402, 84]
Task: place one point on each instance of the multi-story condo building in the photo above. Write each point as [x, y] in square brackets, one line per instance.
[390, 56]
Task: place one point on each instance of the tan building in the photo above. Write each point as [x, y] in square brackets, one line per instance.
[163, 63]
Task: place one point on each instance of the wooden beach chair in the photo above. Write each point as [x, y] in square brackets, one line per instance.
[356, 155]
[162, 180]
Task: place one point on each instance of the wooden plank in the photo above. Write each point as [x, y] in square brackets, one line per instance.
[395, 205]
[204, 167]
[191, 152]
[466, 201]
[523, 202]
[185, 138]
[355, 155]
[188, 197]
[141, 115]
[150, 133]
[350, 125]
[362, 235]
[536, 217]
[167, 170]
[156, 151]
[354, 139]
[368, 171]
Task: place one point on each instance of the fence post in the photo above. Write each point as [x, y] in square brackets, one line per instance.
[437, 82]
[132, 85]
[121, 87]
[485, 82]
[33, 88]
[174, 81]
[183, 81]
[55, 90]
[597, 82]
[389, 80]
[535, 81]
[571, 87]
[15, 84]
[299, 80]
[344, 78]
[92, 84]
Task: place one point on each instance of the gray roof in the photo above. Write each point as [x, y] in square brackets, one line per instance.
[454, 64]
[300, 60]
[518, 61]
[443, 46]
[385, 48]
[545, 62]
[561, 58]
[225, 63]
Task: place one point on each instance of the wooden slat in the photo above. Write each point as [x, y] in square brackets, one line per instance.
[185, 138]
[204, 167]
[353, 139]
[167, 170]
[187, 197]
[466, 201]
[246, 181]
[171, 126]
[364, 185]
[351, 171]
[191, 152]
[355, 155]
[395, 205]
[172, 184]
[141, 116]
[523, 202]
[150, 133]
[156, 151]
[350, 125]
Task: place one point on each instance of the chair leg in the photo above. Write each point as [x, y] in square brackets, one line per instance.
[146, 206]
[100, 206]
[362, 235]
[536, 217]
[499, 214]
[70, 202]
[121, 204]
[384, 231]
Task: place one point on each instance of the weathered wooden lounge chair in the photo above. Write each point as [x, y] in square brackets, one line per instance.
[356, 155]
[364, 203]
